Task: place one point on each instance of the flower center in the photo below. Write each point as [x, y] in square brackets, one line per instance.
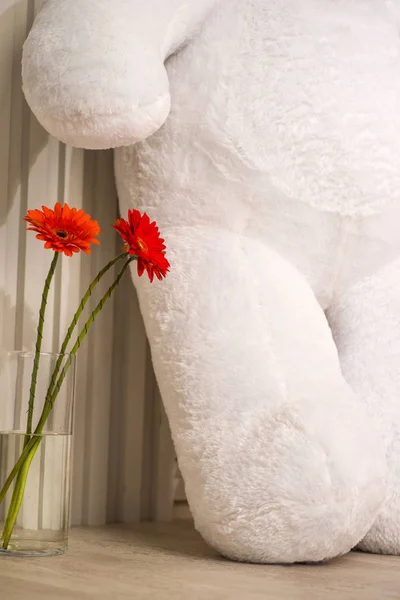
[61, 234]
[141, 244]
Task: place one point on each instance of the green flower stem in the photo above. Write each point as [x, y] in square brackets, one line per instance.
[76, 318]
[18, 495]
[22, 466]
[39, 346]
[50, 401]
[11, 508]
[16, 468]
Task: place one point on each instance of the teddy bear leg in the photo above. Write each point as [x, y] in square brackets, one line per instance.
[280, 461]
[366, 327]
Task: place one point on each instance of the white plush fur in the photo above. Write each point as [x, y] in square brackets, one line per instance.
[275, 180]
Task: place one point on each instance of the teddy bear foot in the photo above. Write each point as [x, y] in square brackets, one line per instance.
[384, 536]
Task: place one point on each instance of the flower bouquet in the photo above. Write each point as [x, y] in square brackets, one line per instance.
[41, 416]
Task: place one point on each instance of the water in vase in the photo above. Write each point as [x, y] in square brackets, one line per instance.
[43, 520]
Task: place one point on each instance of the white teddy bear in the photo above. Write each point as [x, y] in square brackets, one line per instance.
[269, 156]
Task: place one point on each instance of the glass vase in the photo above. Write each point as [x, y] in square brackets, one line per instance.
[41, 528]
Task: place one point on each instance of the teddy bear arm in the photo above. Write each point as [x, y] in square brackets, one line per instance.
[93, 71]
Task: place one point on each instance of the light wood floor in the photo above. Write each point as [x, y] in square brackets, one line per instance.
[171, 562]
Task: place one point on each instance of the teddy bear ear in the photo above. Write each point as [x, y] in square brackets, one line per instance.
[93, 72]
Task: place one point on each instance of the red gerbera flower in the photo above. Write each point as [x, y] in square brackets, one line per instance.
[142, 239]
[63, 229]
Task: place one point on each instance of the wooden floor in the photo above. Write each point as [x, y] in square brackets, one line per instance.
[171, 562]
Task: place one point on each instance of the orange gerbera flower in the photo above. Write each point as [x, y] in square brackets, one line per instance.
[63, 229]
[142, 239]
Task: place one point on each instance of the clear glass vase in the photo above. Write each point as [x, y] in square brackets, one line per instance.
[41, 528]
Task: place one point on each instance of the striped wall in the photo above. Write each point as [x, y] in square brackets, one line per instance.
[124, 465]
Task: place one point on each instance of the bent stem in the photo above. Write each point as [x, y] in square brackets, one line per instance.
[12, 506]
[39, 346]
[75, 319]
[18, 495]
[50, 400]
[22, 467]
[16, 469]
